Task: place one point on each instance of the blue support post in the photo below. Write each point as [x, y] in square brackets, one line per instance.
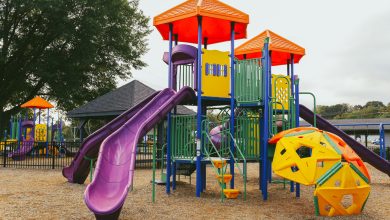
[199, 113]
[261, 123]
[34, 118]
[168, 179]
[174, 166]
[382, 144]
[292, 90]
[52, 133]
[19, 137]
[232, 147]
[288, 67]
[10, 126]
[47, 133]
[296, 85]
[61, 135]
[265, 127]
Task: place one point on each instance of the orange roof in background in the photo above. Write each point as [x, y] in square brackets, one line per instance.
[217, 17]
[281, 48]
[37, 102]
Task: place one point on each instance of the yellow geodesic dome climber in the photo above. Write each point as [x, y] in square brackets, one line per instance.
[344, 190]
[311, 156]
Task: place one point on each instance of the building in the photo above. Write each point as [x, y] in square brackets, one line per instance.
[114, 103]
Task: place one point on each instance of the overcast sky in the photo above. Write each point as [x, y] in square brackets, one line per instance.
[347, 45]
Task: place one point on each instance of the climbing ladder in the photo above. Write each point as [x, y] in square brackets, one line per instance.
[219, 156]
[282, 111]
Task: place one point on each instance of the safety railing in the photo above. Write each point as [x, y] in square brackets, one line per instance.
[248, 82]
[183, 137]
[185, 76]
[247, 135]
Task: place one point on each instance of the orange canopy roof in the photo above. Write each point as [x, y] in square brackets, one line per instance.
[217, 17]
[37, 102]
[281, 48]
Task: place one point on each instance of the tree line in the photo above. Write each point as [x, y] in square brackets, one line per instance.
[372, 109]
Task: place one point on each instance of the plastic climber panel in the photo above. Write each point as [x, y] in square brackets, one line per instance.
[349, 154]
[342, 192]
[300, 130]
[215, 73]
[289, 163]
[281, 91]
[40, 132]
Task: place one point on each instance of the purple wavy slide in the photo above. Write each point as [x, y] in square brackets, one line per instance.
[78, 170]
[27, 145]
[115, 166]
[367, 155]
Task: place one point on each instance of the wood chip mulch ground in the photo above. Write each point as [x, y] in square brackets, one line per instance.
[45, 194]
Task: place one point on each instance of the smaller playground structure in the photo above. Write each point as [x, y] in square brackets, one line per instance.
[30, 136]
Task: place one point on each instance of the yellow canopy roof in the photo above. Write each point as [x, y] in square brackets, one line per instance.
[37, 102]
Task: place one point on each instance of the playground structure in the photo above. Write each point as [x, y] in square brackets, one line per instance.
[26, 135]
[257, 105]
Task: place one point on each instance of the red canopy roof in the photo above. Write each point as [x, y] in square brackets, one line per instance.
[281, 48]
[217, 17]
[37, 102]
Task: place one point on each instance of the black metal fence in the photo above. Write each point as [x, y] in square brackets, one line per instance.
[55, 155]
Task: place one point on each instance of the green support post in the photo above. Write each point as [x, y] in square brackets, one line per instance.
[154, 167]
[91, 161]
[315, 106]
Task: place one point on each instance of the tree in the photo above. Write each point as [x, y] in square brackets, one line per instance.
[372, 109]
[69, 51]
[330, 112]
[374, 104]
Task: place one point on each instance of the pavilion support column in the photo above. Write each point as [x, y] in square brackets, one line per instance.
[81, 128]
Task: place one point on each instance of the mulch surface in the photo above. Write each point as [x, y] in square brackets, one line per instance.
[45, 194]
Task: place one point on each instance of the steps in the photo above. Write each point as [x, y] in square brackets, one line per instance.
[220, 158]
[224, 178]
[231, 193]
